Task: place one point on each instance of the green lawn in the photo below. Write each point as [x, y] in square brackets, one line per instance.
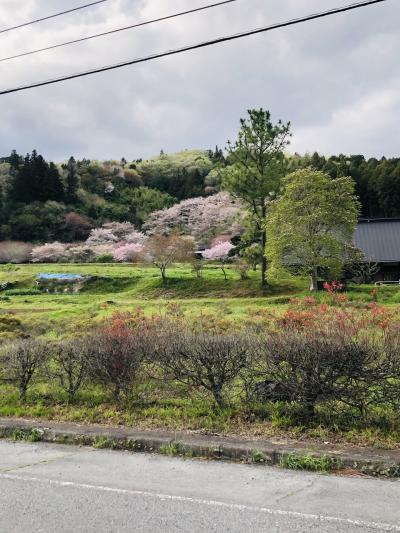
[127, 288]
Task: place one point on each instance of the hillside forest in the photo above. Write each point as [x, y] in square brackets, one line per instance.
[41, 201]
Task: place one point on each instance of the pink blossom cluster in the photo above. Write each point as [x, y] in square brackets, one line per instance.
[55, 252]
[202, 218]
[129, 252]
[117, 239]
[219, 252]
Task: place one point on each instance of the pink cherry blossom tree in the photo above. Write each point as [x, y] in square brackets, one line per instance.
[119, 229]
[100, 236]
[135, 237]
[55, 252]
[202, 218]
[220, 253]
[128, 253]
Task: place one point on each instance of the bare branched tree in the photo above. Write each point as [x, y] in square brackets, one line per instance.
[204, 360]
[71, 359]
[21, 360]
[164, 250]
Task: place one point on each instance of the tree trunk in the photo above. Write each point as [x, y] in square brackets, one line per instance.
[117, 392]
[264, 246]
[309, 409]
[314, 280]
[218, 397]
[22, 391]
[224, 271]
[264, 260]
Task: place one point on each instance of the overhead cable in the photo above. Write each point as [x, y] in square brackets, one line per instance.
[117, 30]
[48, 17]
[197, 46]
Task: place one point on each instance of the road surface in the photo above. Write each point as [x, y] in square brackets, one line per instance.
[52, 488]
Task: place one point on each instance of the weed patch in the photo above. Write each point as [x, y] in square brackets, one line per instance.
[31, 435]
[309, 462]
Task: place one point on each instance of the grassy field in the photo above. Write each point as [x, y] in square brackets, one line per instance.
[129, 288]
[126, 287]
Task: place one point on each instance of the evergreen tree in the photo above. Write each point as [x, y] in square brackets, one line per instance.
[36, 181]
[55, 188]
[14, 161]
[36, 173]
[72, 179]
[21, 184]
[258, 164]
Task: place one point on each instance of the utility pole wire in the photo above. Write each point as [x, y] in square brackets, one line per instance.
[52, 16]
[138, 25]
[204, 44]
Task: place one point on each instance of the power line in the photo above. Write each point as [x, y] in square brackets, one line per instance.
[204, 44]
[52, 16]
[138, 25]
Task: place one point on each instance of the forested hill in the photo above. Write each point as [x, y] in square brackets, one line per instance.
[377, 180]
[43, 201]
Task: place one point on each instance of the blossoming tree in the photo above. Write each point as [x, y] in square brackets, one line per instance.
[202, 218]
[221, 253]
[128, 253]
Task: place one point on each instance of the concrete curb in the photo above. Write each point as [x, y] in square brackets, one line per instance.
[363, 460]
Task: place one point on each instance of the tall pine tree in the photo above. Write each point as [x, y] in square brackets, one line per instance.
[35, 180]
[72, 181]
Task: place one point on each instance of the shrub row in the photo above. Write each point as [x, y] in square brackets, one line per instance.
[307, 366]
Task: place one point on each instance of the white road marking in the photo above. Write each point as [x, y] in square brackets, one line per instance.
[212, 503]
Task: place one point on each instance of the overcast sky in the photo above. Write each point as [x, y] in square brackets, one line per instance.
[337, 80]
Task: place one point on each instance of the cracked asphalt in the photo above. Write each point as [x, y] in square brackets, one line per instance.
[46, 488]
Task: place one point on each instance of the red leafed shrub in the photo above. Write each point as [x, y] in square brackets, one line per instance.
[297, 319]
[333, 286]
[340, 299]
[118, 350]
[307, 301]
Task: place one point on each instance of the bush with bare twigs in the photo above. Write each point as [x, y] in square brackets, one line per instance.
[71, 364]
[331, 363]
[204, 360]
[20, 361]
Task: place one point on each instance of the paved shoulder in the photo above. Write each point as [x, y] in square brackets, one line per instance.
[50, 488]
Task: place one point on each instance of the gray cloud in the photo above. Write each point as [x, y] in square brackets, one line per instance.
[337, 80]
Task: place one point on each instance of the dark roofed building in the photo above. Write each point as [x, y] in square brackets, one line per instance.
[379, 240]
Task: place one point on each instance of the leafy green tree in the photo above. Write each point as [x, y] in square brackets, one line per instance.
[253, 255]
[181, 175]
[257, 166]
[312, 223]
[38, 222]
[142, 201]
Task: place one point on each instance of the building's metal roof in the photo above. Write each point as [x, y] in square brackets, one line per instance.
[379, 239]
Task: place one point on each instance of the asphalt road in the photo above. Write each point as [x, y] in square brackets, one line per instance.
[51, 488]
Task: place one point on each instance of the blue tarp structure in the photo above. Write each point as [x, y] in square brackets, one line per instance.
[60, 277]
